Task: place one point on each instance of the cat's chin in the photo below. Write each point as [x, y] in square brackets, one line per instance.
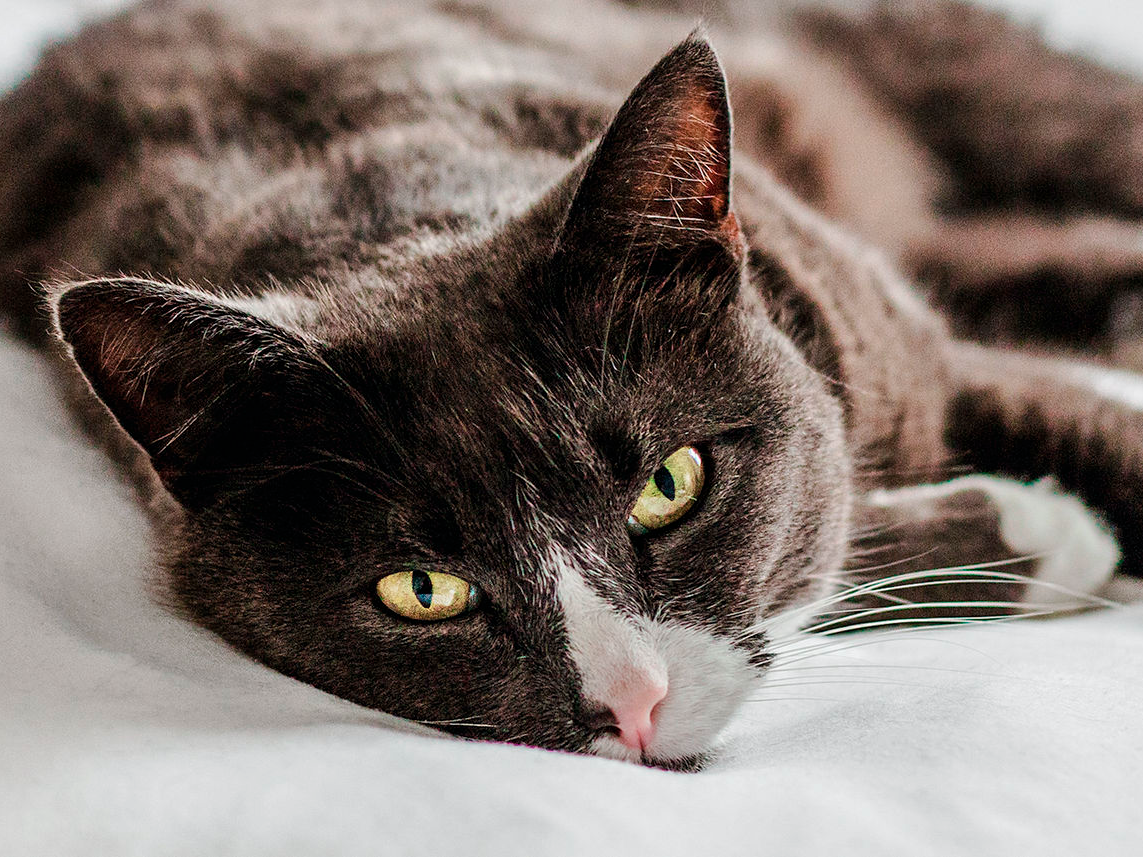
[610, 747]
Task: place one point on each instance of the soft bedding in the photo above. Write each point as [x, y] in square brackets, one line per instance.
[125, 730]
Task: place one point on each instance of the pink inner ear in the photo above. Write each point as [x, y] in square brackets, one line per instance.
[686, 179]
[664, 164]
[737, 241]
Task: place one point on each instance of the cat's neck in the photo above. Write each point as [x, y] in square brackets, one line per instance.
[857, 323]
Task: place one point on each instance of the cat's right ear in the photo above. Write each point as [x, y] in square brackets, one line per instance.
[659, 179]
[650, 247]
[193, 381]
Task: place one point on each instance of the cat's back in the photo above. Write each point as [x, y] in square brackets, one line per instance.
[421, 115]
[302, 144]
[259, 141]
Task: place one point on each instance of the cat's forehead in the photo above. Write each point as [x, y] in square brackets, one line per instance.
[502, 388]
[480, 412]
[486, 437]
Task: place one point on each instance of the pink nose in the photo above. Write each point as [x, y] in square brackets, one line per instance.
[634, 712]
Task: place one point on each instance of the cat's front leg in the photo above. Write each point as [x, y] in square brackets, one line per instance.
[976, 546]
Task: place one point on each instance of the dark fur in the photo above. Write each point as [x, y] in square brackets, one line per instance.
[424, 321]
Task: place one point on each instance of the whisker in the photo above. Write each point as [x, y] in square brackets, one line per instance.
[849, 613]
[459, 721]
[934, 620]
[808, 647]
[795, 699]
[796, 682]
[980, 573]
[902, 561]
[787, 669]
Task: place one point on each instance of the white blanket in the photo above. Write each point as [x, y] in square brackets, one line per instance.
[124, 730]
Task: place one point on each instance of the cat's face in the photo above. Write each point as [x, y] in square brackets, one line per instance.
[544, 494]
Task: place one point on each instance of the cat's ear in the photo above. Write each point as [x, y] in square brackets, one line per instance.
[195, 382]
[660, 175]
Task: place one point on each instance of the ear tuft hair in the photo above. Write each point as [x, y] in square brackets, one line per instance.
[663, 166]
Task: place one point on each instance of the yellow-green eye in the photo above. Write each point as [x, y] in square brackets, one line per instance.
[427, 596]
[670, 493]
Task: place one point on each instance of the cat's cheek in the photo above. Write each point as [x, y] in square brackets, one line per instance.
[710, 679]
[433, 672]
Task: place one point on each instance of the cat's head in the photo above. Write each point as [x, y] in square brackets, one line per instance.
[542, 489]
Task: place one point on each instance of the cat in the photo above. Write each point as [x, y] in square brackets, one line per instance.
[470, 384]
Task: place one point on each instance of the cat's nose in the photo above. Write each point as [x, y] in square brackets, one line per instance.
[630, 714]
[634, 712]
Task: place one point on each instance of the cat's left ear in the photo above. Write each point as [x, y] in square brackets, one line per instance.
[209, 391]
[660, 176]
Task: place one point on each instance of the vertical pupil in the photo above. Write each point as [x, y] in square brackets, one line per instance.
[665, 482]
[423, 588]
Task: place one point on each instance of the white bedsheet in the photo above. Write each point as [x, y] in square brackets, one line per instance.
[126, 731]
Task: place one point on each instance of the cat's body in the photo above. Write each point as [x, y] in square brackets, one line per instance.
[426, 330]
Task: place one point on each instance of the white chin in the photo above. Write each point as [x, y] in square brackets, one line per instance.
[611, 747]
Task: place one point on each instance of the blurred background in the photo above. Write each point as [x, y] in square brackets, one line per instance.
[1110, 30]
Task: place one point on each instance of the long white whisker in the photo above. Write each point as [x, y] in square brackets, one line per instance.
[813, 647]
[934, 620]
[983, 573]
[1026, 608]
[787, 668]
[796, 682]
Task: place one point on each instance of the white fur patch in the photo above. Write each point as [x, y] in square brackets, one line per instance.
[1122, 387]
[1079, 555]
[706, 677]
[1076, 553]
[609, 649]
[708, 681]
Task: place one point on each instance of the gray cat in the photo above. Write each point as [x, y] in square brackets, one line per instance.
[470, 387]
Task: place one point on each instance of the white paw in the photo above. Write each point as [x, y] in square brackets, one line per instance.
[1077, 555]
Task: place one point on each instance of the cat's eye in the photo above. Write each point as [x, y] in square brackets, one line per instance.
[670, 493]
[427, 596]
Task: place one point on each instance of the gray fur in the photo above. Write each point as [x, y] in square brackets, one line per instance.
[364, 288]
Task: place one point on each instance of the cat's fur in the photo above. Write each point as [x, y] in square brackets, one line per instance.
[361, 286]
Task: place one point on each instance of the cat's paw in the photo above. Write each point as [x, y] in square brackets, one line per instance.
[1075, 554]
[1050, 537]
